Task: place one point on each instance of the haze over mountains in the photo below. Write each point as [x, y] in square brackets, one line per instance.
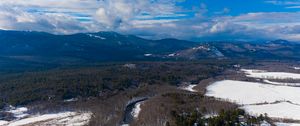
[40, 47]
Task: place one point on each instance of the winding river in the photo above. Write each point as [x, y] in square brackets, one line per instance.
[128, 116]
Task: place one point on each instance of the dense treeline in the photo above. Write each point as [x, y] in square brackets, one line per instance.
[175, 105]
[235, 117]
[59, 84]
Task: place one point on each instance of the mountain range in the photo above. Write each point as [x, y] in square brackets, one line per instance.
[19, 47]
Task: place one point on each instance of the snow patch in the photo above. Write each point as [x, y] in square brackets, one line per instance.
[147, 55]
[286, 124]
[2, 123]
[189, 88]
[18, 112]
[172, 55]
[296, 68]
[281, 83]
[80, 119]
[237, 65]
[71, 100]
[136, 110]
[210, 116]
[201, 47]
[96, 36]
[270, 75]
[265, 123]
[64, 118]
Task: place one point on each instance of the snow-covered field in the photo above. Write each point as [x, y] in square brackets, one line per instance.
[189, 88]
[2, 123]
[281, 83]
[296, 68]
[242, 92]
[250, 94]
[19, 112]
[270, 75]
[62, 118]
[287, 124]
[278, 110]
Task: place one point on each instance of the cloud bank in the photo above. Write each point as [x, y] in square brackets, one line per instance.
[153, 19]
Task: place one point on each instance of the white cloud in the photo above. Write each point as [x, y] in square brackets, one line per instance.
[284, 2]
[289, 4]
[84, 15]
[293, 7]
[114, 13]
[147, 18]
[15, 19]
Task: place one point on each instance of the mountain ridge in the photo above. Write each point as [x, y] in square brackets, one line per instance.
[41, 47]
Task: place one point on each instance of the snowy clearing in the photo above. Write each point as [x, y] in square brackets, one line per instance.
[296, 68]
[64, 118]
[281, 83]
[3, 122]
[252, 93]
[286, 124]
[136, 110]
[19, 112]
[270, 75]
[189, 88]
[255, 97]
[279, 110]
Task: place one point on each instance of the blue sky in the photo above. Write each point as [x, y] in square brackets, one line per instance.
[155, 19]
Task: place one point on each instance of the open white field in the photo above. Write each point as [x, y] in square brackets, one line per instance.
[287, 124]
[278, 110]
[281, 83]
[249, 94]
[296, 68]
[252, 93]
[63, 118]
[270, 75]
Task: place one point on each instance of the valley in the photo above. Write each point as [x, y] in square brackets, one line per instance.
[105, 78]
[149, 63]
[176, 90]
